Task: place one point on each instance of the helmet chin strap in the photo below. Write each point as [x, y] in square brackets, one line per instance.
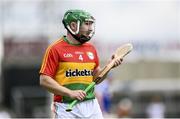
[82, 38]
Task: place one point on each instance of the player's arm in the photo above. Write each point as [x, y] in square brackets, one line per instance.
[98, 70]
[52, 86]
[96, 73]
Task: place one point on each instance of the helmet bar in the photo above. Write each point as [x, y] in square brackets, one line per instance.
[92, 20]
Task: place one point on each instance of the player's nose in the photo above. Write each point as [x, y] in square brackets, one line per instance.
[90, 28]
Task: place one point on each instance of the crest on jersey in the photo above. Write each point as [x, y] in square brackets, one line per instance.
[90, 55]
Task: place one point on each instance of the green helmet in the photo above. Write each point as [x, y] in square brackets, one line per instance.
[78, 16]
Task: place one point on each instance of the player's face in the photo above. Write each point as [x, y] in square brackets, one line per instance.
[87, 28]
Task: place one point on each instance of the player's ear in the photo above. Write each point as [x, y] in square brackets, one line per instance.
[73, 26]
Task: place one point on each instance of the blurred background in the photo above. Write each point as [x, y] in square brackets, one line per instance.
[146, 85]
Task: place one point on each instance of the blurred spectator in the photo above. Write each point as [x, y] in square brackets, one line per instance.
[103, 94]
[156, 109]
[124, 108]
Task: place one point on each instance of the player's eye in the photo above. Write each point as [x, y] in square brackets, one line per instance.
[87, 23]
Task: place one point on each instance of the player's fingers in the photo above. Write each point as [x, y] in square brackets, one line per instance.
[79, 98]
[81, 95]
[121, 59]
[113, 56]
[117, 62]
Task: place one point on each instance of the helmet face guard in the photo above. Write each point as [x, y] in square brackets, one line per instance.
[79, 17]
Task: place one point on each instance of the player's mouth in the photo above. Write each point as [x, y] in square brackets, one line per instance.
[88, 33]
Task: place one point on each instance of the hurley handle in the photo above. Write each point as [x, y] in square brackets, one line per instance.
[71, 105]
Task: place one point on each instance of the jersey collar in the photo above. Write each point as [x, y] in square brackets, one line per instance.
[66, 40]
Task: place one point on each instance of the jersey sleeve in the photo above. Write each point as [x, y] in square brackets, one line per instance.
[50, 62]
[96, 59]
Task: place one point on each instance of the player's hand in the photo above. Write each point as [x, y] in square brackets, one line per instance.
[117, 62]
[77, 94]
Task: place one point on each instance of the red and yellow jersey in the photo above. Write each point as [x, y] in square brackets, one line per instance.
[71, 66]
